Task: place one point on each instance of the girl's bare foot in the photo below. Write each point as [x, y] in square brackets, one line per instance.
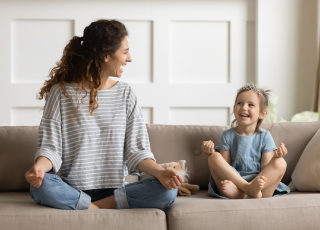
[231, 191]
[256, 186]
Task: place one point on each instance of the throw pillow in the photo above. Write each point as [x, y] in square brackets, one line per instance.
[305, 176]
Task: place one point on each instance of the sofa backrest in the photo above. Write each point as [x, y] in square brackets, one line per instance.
[18, 145]
[183, 142]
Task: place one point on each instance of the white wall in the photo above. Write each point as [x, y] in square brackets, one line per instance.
[270, 42]
[287, 52]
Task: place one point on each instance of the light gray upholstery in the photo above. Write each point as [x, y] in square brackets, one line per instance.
[19, 212]
[295, 211]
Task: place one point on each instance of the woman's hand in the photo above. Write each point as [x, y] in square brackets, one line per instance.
[35, 175]
[282, 151]
[169, 179]
[207, 147]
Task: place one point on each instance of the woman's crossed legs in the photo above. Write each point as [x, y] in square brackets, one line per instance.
[148, 193]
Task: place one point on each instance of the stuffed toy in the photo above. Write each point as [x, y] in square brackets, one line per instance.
[180, 167]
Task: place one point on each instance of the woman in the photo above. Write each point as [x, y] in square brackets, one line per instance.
[92, 131]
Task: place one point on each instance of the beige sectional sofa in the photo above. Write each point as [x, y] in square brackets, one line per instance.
[298, 210]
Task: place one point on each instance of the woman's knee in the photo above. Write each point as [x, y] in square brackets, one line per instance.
[44, 190]
[171, 195]
[168, 197]
[149, 193]
[161, 196]
[55, 193]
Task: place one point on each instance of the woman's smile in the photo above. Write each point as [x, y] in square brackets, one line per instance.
[115, 64]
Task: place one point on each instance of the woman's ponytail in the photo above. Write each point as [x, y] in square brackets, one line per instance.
[83, 58]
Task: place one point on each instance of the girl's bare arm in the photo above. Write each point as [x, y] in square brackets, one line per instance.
[226, 155]
[266, 158]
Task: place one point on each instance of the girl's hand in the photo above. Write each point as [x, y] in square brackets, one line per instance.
[282, 151]
[170, 179]
[207, 147]
[35, 175]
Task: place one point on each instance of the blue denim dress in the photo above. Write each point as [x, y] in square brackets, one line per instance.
[246, 152]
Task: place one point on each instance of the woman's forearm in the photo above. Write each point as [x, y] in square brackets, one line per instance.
[44, 163]
[150, 167]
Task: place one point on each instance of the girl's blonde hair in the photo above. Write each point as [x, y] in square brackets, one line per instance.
[263, 95]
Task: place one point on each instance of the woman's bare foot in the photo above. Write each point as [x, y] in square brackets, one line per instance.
[231, 191]
[256, 186]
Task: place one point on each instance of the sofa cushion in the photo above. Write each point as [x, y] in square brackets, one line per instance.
[19, 211]
[199, 211]
[305, 176]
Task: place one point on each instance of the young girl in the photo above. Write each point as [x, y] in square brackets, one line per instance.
[249, 163]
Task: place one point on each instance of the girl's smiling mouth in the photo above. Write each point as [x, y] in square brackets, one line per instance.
[244, 115]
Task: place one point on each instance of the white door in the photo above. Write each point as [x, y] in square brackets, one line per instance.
[189, 57]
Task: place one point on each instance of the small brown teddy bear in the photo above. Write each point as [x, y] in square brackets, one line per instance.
[180, 167]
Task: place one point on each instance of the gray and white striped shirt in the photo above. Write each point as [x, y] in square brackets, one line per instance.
[93, 152]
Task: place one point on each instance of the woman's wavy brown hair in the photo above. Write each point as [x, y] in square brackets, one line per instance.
[263, 95]
[83, 58]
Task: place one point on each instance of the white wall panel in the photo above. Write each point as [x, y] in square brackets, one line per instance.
[36, 46]
[238, 41]
[140, 40]
[199, 52]
[26, 116]
[199, 116]
[147, 115]
[171, 68]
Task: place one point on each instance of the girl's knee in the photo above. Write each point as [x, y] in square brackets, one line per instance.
[280, 163]
[213, 158]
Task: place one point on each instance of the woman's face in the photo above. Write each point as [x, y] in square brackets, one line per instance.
[116, 63]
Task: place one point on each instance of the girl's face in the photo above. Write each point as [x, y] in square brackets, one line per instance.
[247, 109]
[116, 63]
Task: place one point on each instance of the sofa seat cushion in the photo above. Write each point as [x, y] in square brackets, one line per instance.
[19, 211]
[298, 210]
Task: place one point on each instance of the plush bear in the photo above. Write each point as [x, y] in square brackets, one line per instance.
[180, 167]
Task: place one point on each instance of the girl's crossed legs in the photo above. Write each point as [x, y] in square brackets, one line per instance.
[232, 185]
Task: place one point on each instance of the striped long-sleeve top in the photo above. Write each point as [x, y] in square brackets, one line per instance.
[93, 152]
